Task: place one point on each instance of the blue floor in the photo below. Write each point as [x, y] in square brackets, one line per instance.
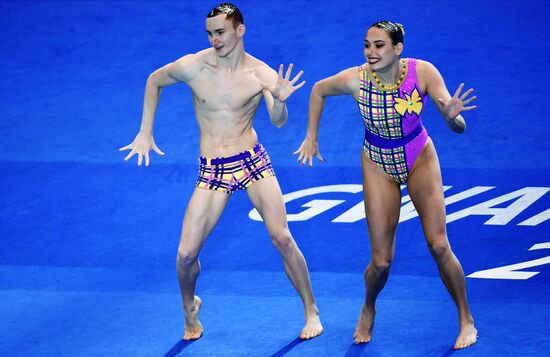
[88, 242]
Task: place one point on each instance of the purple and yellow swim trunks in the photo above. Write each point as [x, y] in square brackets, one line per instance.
[233, 173]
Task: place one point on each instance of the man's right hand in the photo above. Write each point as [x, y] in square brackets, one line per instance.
[141, 145]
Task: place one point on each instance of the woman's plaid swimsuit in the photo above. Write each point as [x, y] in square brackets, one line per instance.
[394, 134]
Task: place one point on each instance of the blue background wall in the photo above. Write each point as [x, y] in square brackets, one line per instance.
[88, 242]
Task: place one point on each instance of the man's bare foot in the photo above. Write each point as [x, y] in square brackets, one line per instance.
[467, 336]
[193, 327]
[313, 327]
[363, 331]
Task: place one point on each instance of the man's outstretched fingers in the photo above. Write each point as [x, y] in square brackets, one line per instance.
[132, 153]
[157, 150]
[289, 71]
[297, 77]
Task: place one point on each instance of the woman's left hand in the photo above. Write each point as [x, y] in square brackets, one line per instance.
[457, 103]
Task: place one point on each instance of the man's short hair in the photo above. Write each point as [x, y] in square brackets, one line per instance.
[230, 11]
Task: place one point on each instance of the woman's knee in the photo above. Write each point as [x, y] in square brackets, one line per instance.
[440, 250]
[381, 262]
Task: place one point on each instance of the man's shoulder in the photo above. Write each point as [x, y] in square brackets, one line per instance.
[197, 58]
[254, 62]
[190, 65]
[258, 66]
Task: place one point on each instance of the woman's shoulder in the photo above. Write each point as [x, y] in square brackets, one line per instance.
[362, 67]
[348, 73]
[423, 66]
[426, 71]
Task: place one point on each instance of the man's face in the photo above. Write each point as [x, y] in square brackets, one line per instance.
[221, 34]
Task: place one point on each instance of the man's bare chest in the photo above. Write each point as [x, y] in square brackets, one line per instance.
[226, 92]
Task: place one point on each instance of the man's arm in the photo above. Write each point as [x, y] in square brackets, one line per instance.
[181, 70]
[277, 110]
[178, 71]
[276, 90]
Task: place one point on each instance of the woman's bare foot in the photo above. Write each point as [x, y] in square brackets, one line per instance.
[363, 331]
[193, 327]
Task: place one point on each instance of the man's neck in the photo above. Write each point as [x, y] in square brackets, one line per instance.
[233, 60]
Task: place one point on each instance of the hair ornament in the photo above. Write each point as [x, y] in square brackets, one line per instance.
[401, 27]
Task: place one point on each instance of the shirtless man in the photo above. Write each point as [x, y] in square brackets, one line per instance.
[227, 85]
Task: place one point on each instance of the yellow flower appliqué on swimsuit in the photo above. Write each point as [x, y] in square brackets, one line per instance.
[413, 103]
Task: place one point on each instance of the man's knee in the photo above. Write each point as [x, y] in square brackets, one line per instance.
[186, 257]
[282, 239]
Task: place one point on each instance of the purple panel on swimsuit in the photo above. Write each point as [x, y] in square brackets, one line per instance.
[414, 148]
[411, 120]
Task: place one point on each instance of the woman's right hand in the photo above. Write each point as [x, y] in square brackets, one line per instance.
[307, 151]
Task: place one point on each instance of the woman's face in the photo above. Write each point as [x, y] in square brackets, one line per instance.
[380, 53]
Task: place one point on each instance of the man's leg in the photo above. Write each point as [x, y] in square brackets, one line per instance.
[382, 199]
[426, 191]
[267, 198]
[203, 212]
